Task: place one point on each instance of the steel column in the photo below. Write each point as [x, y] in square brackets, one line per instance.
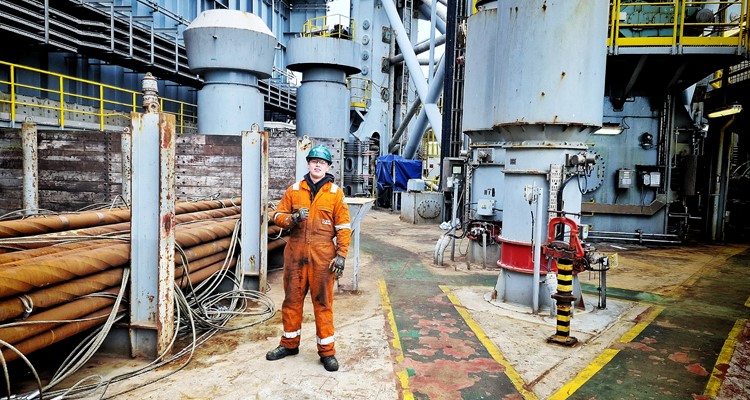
[152, 234]
[412, 63]
[254, 208]
[30, 167]
[127, 166]
[436, 87]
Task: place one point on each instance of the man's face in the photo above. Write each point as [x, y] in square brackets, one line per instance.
[318, 168]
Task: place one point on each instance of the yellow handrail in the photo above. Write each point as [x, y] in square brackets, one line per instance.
[647, 31]
[361, 91]
[336, 26]
[186, 113]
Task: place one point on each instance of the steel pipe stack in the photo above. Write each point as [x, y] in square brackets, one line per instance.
[60, 268]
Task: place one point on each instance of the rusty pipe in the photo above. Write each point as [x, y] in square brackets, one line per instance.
[57, 334]
[22, 276]
[54, 295]
[191, 235]
[48, 270]
[204, 273]
[49, 250]
[205, 249]
[199, 264]
[276, 244]
[56, 223]
[68, 311]
[122, 228]
[38, 225]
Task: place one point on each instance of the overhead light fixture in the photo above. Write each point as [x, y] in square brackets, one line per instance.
[729, 109]
[609, 128]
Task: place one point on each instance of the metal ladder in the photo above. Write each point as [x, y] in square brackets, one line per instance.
[406, 16]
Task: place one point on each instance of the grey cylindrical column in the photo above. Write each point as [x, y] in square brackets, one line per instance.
[323, 98]
[232, 50]
[535, 90]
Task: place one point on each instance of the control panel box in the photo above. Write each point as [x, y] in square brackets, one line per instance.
[625, 178]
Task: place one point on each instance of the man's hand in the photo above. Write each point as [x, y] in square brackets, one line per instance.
[300, 215]
[337, 266]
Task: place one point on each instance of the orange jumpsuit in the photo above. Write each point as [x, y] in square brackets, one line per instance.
[310, 248]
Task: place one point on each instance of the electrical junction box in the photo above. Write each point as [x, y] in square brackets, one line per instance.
[415, 185]
[583, 231]
[421, 208]
[625, 178]
[652, 179]
[453, 168]
[485, 207]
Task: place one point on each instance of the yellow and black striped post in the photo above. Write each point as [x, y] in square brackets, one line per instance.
[564, 297]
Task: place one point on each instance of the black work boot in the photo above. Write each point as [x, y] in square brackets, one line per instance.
[330, 363]
[281, 352]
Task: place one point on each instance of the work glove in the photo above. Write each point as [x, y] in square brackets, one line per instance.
[337, 266]
[300, 215]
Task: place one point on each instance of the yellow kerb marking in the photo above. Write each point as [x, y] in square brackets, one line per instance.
[403, 375]
[604, 358]
[491, 348]
[714, 383]
[396, 342]
[640, 326]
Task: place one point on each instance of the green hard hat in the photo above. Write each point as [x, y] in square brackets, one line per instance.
[321, 152]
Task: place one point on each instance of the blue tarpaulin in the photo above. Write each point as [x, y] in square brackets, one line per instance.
[394, 172]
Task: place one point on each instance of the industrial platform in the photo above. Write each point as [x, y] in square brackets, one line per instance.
[675, 328]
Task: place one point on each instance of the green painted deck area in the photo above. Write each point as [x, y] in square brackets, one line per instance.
[673, 357]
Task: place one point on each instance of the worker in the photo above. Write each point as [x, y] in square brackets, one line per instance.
[315, 212]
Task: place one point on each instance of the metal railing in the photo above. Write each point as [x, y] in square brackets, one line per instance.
[361, 91]
[678, 23]
[66, 95]
[335, 26]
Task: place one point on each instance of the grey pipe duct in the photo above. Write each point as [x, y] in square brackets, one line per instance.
[439, 23]
[433, 94]
[429, 5]
[393, 145]
[415, 71]
[418, 49]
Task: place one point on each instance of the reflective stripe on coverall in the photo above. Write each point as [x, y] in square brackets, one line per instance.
[309, 250]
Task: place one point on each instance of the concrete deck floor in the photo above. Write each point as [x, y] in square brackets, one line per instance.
[676, 327]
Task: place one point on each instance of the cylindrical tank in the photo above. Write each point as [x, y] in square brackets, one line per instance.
[323, 98]
[479, 91]
[535, 75]
[550, 64]
[232, 50]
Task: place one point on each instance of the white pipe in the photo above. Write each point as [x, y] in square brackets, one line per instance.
[538, 225]
[412, 63]
[433, 21]
[716, 193]
[433, 94]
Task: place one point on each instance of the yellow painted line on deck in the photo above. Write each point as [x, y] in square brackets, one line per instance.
[511, 372]
[641, 325]
[725, 356]
[403, 375]
[606, 356]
